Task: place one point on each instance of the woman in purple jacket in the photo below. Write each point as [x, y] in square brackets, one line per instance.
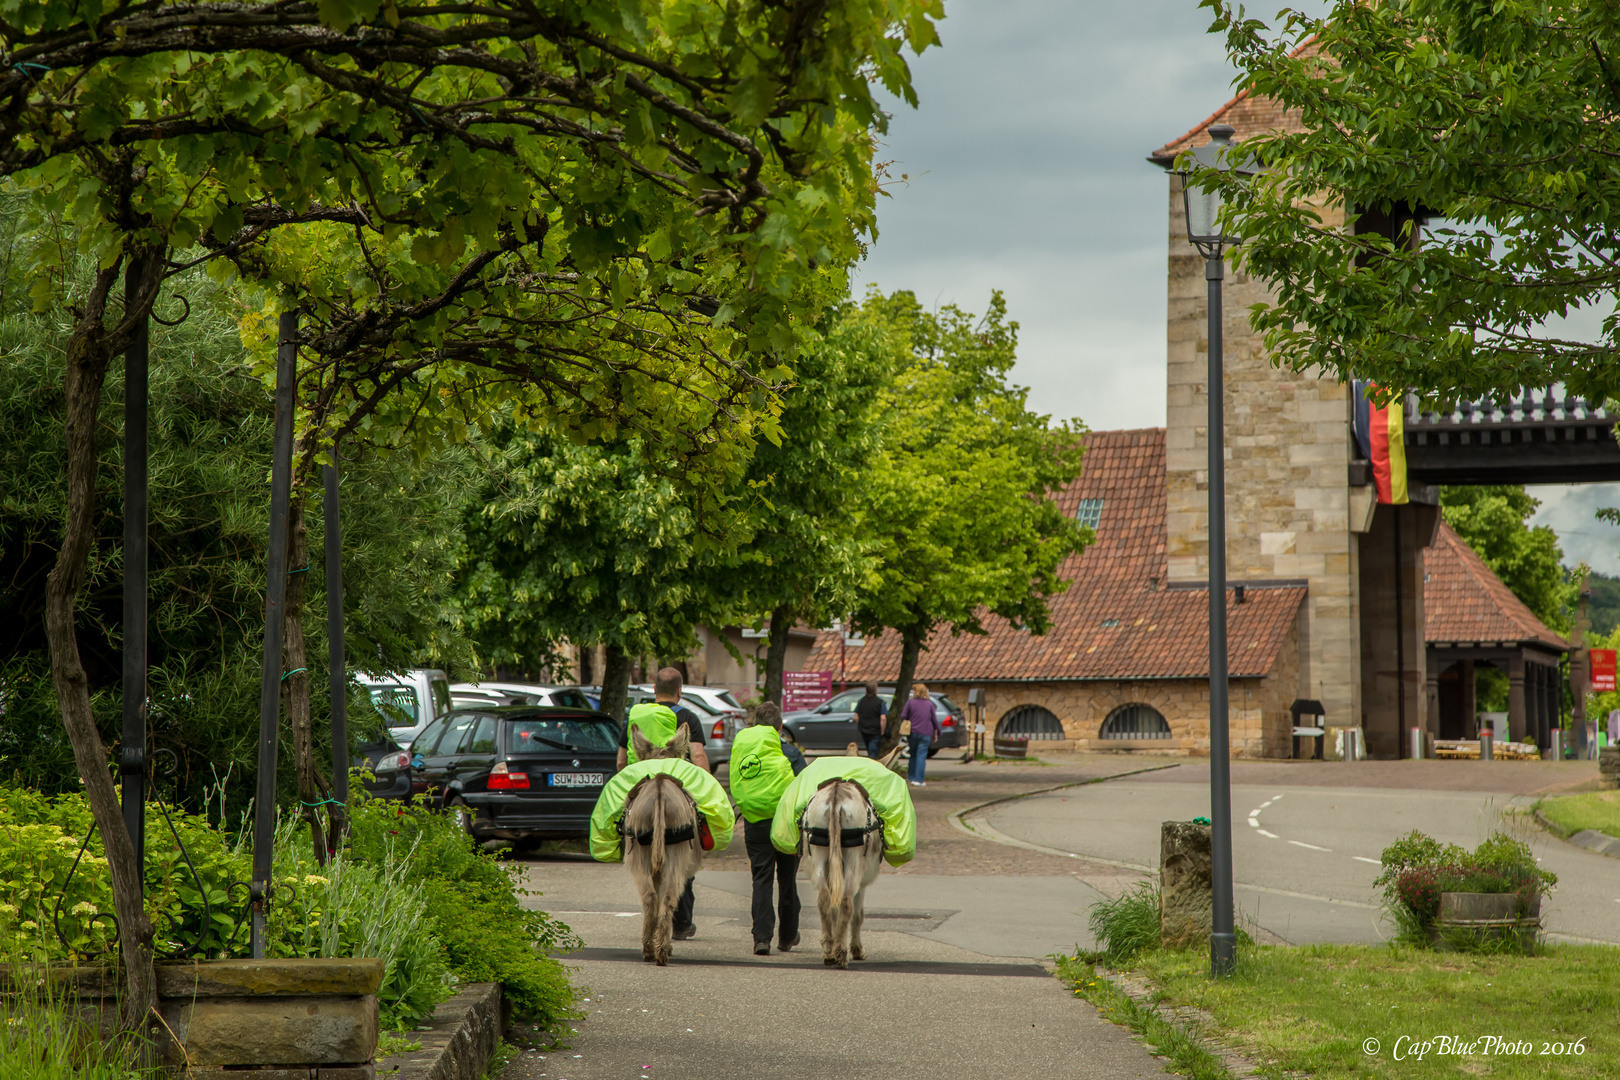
[920, 711]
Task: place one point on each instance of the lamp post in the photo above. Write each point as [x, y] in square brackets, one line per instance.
[1203, 207]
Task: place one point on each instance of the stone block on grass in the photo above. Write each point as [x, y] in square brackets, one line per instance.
[1186, 900]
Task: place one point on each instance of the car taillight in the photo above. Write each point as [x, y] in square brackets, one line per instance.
[393, 762]
[503, 779]
[719, 730]
[949, 721]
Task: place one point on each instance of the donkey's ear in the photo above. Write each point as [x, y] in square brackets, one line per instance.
[680, 744]
[643, 748]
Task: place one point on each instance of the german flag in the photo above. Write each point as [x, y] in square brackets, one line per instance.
[1378, 432]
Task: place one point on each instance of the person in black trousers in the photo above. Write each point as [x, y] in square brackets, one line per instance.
[760, 771]
[870, 711]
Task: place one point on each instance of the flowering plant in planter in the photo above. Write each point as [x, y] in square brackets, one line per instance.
[1417, 869]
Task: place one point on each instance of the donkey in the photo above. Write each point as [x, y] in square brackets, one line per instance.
[845, 840]
[661, 845]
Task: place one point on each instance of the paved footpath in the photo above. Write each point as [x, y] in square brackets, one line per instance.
[956, 983]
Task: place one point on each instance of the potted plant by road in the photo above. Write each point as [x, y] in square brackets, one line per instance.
[1443, 895]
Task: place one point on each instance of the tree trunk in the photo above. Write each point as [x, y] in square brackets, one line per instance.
[615, 682]
[910, 650]
[313, 787]
[776, 652]
[89, 352]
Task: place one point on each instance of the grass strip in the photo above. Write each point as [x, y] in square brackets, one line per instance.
[1598, 810]
[1187, 1055]
[1337, 1012]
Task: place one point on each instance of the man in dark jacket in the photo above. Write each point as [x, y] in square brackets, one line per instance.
[870, 712]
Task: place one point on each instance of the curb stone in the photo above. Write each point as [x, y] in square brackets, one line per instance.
[461, 1038]
[1193, 1022]
[1589, 839]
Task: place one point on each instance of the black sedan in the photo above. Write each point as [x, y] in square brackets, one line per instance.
[522, 773]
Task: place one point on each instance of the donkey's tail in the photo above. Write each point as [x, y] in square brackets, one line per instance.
[835, 850]
[658, 830]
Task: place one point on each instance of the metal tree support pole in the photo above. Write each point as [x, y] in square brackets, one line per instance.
[1223, 938]
[338, 678]
[264, 806]
[132, 754]
[1400, 635]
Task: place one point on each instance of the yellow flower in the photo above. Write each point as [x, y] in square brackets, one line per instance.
[8, 909]
[84, 908]
[30, 924]
[67, 841]
[315, 879]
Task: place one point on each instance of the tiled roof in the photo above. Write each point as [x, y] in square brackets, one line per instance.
[1248, 115]
[1463, 601]
[1117, 620]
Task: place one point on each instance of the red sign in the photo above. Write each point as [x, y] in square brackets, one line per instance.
[1602, 669]
[802, 689]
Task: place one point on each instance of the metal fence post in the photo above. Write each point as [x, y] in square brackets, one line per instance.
[132, 750]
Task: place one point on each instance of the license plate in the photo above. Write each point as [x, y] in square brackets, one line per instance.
[577, 779]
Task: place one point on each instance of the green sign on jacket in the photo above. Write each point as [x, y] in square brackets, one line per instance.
[760, 772]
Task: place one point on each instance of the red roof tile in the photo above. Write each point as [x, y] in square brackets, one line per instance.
[1117, 620]
[1463, 601]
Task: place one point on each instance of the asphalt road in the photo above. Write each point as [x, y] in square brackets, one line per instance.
[956, 984]
[1304, 857]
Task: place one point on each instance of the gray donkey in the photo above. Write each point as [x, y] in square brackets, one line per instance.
[661, 845]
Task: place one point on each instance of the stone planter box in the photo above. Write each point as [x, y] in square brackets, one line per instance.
[254, 1019]
[1485, 919]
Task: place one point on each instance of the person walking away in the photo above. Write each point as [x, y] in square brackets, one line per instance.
[920, 711]
[658, 720]
[870, 712]
[760, 772]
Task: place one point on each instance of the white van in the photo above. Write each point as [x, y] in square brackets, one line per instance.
[408, 701]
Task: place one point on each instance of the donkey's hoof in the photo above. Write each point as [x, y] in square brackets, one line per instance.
[829, 961]
[857, 954]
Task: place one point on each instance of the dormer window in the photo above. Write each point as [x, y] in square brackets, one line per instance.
[1089, 513]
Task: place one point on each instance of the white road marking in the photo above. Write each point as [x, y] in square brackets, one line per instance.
[1273, 835]
[1255, 822]
[1313, 847]
[1375, 862]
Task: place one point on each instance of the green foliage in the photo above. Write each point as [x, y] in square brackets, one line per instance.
[1186, 1051]
[1127, 924]
[1417, 869]
[474, 907]
[210, 436]
[374, 908]
[954, 503]
[1495, 119]
[40, 837]
[1494, 521]
[1605, 607]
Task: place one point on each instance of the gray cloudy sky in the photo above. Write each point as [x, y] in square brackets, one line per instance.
[1028, 174]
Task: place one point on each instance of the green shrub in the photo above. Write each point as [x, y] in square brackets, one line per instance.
[475, 906]
[43, 1038]
[352, 907]
[1418, 868]
[1126, 925]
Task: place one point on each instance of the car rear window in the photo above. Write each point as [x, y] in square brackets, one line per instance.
[544, 734]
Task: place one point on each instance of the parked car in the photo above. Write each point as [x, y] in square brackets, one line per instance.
[408, 701]
[831, 725]
[522, 773]
[390, 765]
[484, 694]
[718, 710]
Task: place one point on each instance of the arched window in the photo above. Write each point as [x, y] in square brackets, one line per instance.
[1030, 722]
[1135, 721]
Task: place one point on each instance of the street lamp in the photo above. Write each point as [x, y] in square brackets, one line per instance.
[1204, 232]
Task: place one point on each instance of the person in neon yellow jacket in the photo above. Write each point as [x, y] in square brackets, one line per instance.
[606, 843]
[890, 800]
[760, 772]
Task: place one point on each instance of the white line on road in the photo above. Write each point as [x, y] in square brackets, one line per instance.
[1375, 862]
[1313, 847]
[1273, 835]
[1254, 822]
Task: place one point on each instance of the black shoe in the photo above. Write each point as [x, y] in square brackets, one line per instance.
[786, 945]
[762, 948]
[685, 933]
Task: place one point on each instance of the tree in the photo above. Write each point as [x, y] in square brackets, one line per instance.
[808, 553]
[463, 135]
[1496, 121]
[1494, 521]
[586, 544]
[956, 503]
